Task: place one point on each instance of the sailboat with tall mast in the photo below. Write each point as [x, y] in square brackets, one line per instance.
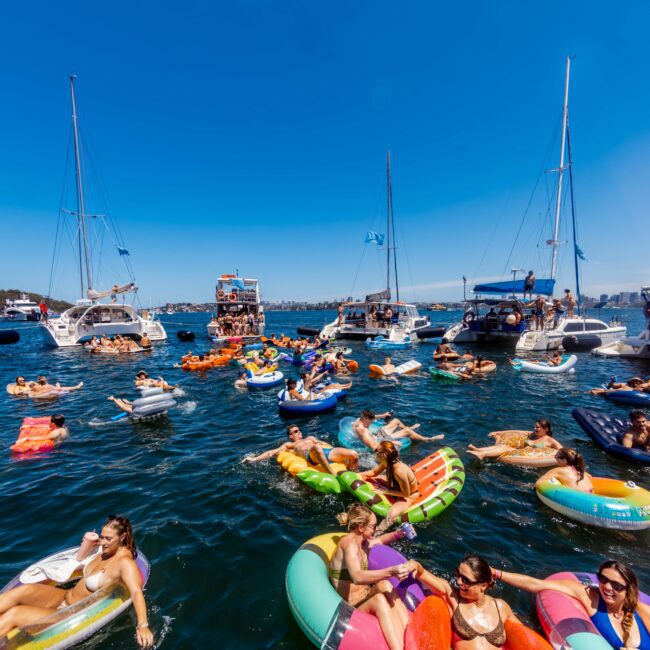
[89, 317]
[578, 332]
[377, 315]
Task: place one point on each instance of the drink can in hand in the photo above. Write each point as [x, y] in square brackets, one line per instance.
[409, 531]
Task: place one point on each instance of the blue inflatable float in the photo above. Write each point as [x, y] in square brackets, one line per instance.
[348, 438]
[629, 397]
[607, 432]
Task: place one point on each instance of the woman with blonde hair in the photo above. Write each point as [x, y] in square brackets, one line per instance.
[369, 591]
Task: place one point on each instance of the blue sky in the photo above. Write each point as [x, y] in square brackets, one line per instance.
[253, 135]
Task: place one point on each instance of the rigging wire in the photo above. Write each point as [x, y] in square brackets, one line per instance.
[494, 230]
[530, 200]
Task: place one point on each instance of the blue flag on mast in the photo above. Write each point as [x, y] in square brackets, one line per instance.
[579, 253]
[122, 251]
[373, 237]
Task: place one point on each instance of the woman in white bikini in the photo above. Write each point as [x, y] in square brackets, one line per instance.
[115, 561]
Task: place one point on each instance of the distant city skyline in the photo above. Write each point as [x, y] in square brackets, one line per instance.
[256, 136]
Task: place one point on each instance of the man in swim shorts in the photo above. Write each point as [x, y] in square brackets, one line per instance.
[392, 430]
[312, 450]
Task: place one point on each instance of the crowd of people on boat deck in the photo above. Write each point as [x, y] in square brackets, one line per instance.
[241, 324]
[374, 317]
[117, 344]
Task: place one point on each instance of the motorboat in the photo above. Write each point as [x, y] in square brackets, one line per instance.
[578, 333]
[90, 316]
[21, 309]
[235, 297]
[631, 347]
[378, 315]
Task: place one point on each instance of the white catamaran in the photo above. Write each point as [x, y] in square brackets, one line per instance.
[90, 317]
[377, 315]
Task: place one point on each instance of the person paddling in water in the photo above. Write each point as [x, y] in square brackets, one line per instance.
[393, 429]
[312, 450]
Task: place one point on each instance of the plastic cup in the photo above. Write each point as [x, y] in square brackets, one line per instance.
[88, 543]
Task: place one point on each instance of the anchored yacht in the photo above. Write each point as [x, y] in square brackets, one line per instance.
[236, 298]
[91, 317]
[21, 309]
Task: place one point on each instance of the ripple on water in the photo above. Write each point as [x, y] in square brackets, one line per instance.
[219, 533]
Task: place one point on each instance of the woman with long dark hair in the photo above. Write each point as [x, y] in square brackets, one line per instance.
[570, 471]
[399, 482]
[115, 561]
[613, 605]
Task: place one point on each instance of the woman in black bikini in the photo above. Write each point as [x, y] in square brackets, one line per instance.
[477, 619]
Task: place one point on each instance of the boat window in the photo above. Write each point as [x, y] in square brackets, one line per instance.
[594, 327]
[573, 327]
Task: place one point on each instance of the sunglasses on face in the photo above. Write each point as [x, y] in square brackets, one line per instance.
[462, 579]
[373, 526]
[618, 587]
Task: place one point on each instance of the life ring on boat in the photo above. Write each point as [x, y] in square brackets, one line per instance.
[232, 297]
[221, 294]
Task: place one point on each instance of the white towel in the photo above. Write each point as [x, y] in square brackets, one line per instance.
[59, 567]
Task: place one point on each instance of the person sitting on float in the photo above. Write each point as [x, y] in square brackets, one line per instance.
[477, 619]
[367, 590]
[399, 482]
[27, 604]
[612, 605]
[570, 471]
[540, 438]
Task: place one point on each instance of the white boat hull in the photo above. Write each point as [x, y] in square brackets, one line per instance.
[80, 323]
[461, 334]
[633, 347]
[551, 339]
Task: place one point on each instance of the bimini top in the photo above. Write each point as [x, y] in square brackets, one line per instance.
[542, 287]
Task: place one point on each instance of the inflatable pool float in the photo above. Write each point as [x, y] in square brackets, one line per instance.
[450, 356]
[405, 368]
[523, 454]
[629, 397]
[614, 504]
[293, 407]
[71, 625]
[568, 361]
[154, 405]
[486, 368]
[437, 373]
[607, 432]
[440, 476]
[267, 380]
[381, 343]
[565, 620]
[325, 618]
[33, 427]
[348, 438]
[314, 476]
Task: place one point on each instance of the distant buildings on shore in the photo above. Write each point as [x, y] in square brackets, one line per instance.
[622, 299]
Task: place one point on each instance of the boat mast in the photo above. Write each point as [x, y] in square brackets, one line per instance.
[565, 113]
[80, 195]
[573, 217]
[388, 221]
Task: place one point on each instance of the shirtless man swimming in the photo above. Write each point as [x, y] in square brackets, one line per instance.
[637, 435]
[392, 430]
[312, 451]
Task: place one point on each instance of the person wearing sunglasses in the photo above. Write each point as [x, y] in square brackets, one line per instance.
[115, 561]
[21, 387]
[477, 619]
[312, 450]
[570, 471]
[369, 590]
[613, 605]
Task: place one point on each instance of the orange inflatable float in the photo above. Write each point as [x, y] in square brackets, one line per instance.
[33, 427]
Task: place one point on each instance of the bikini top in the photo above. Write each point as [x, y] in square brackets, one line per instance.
[531, 442]
[344, 574]
[604, 625]
[96, 580]
[496, 637]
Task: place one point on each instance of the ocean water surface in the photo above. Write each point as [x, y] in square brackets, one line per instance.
[219, 533]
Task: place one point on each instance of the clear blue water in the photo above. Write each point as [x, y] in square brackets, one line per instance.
[219, 534]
